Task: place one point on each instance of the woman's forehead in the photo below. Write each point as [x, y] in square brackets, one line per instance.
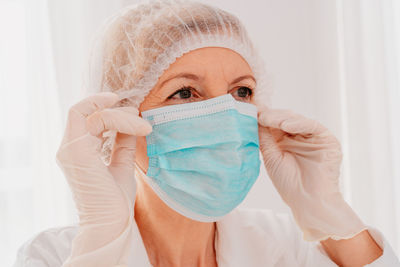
[205, 59]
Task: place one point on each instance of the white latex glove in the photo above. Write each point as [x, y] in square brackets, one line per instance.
[104, 196]
[303, 160]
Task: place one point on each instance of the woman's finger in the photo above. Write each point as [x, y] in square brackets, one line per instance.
[268, 145]
[122, 164]
[303, 126]
[122, 119]
[94, 103]
[124, 151]
[290, 122]
[269, 117]
[76, 123]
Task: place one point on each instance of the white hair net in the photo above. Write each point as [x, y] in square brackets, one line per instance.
[134, 47]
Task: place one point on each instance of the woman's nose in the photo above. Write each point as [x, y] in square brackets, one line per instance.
[216, 89]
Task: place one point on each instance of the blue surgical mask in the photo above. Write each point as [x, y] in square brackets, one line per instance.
[203, 156]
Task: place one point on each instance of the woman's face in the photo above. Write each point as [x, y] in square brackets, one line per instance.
[198, 75]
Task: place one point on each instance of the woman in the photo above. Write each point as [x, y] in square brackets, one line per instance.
[161, 154]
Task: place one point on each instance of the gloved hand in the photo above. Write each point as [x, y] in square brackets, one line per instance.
[303, 161]
[104, 195]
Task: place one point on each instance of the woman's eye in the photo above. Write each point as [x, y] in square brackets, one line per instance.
[183, 93]
[186, 93]
[244, 92]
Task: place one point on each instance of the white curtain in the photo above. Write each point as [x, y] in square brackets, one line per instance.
[43, 52]
[335, 61]
[369, 34]
[32, 190]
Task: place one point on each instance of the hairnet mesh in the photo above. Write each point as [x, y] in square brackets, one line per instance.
[136, 45]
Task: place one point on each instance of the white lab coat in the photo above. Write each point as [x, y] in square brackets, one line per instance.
[245, 237]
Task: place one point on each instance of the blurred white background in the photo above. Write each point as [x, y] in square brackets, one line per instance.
[333, 61]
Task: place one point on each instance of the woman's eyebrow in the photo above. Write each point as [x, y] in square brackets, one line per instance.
[196, 78]
[181, 75]
[243, 77]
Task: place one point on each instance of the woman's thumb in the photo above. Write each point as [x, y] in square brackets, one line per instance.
[269, 148]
